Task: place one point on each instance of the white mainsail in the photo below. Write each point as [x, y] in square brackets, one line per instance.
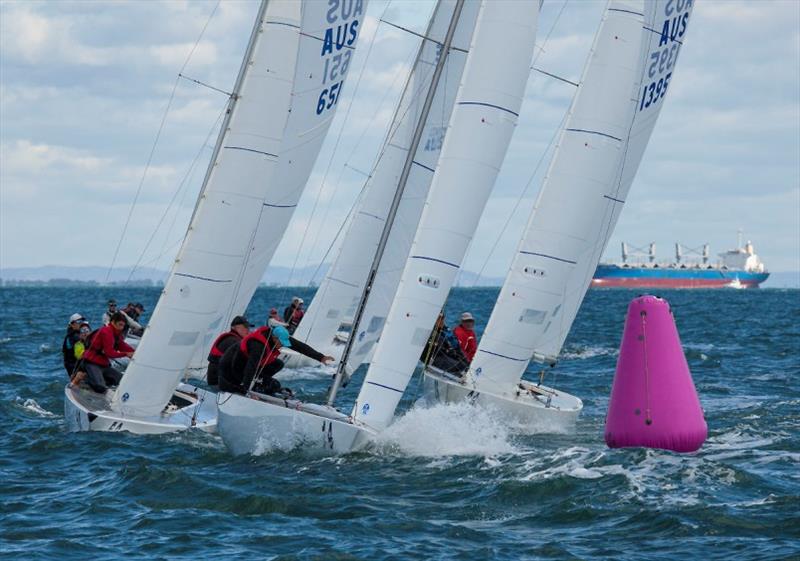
[339, 292]
[604, 137]
[246, 175]
[480, 129]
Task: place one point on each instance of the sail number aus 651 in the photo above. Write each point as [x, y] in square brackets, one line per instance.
[329, 97]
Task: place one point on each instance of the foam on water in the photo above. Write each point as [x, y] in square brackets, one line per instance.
[586, 352]
[304, 373]
[32, 406]
[446, 430]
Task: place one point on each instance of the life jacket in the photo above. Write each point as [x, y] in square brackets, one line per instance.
[216, 353]
[94, 352]
[262, 335]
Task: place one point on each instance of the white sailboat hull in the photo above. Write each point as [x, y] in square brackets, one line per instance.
[195, 408]
[527, 407]
[258, 424]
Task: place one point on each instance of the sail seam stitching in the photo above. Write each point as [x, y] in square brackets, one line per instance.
[386, 387]
[549, 257]
[201, 278]
[488, 105]
[503, 356]
[249, 150]
[595, 132]
[434, 259]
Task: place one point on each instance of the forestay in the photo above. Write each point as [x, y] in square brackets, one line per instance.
[208, 277]
[609, 124]
[326, 49]
[339, 292]
[481, 125]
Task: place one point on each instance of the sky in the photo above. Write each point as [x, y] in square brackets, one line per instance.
[84, 87]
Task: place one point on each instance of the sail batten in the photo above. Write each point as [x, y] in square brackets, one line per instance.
[586, 185]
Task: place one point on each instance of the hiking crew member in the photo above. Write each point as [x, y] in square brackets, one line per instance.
[112, 309]
[466, 335]
[70, 339]
[240, 328]
[132, 313]
[443, 350]
[256, 358]
[79, 372]
[293, 314]
[107, 343]
[274, 318]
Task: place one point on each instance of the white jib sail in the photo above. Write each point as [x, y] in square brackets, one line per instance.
[483, 120]
[339, 292]
[208, 273]
[612, 116]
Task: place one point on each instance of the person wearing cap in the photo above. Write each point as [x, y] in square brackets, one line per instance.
[85, 336]
[293, 314]
[443, 350]
[240, 328]
[256, 358]
[465, 333]
[70, 339]
[132, 312]
[274, 319]
[112, 309]
[107, 343]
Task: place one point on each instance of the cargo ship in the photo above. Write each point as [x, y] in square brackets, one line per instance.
[735, 268]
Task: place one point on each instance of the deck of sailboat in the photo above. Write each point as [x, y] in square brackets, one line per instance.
[532, 407]
[190, 407]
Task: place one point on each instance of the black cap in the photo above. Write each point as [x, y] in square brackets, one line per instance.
[138, 306]
[240, 320]
[112, 301]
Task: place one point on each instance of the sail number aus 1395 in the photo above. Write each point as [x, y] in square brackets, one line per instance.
[662, 59]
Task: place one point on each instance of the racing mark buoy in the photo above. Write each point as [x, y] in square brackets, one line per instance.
[653, 403]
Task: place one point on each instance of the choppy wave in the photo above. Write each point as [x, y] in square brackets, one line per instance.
[447, 430]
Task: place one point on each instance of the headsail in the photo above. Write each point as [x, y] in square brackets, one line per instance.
[340, 290]
[612, 116]
[487, 107]
[210, 274]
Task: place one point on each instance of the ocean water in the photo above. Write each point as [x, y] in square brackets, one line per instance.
[442, 482]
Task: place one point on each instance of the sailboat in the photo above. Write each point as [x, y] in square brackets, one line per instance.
[601, 145]
[281, 107]
[480, 128]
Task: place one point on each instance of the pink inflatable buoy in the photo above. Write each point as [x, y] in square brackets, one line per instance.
[653, 403]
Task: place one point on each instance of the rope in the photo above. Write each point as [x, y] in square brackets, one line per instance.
[155, 143]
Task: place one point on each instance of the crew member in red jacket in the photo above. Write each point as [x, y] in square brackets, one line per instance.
[240, 328]
[106, 344]
[465, 333]
[256, 357]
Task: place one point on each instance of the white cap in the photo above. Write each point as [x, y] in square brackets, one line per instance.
[466, 316]
[75, 317]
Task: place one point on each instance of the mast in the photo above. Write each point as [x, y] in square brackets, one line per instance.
[387, 227]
